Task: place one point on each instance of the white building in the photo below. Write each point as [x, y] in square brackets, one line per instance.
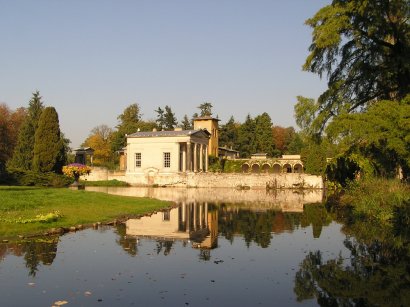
[167, 152]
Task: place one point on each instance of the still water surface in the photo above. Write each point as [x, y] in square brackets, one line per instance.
[216, 248]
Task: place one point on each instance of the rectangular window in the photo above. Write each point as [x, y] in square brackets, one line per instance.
[138, 159]
[167, 215]
[167, 159]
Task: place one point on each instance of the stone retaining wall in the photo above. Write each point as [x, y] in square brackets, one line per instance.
[211, 180]
[101, 174]
[229, 180]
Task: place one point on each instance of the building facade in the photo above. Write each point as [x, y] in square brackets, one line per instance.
[211, 124]
[167, 152]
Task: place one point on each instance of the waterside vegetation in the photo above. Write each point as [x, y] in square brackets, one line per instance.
[34, 210]
[376, 199]
[104, 183]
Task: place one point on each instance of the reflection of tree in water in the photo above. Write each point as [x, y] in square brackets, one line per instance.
[129, 244]
[164, 245]
[254, 226]
[377, 273]
[317, 216]
[35, 251]
[205, 254]
[257, 226]
[371, 278]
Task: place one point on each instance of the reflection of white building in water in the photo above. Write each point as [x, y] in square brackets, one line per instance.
[191, 221]
[257, 199]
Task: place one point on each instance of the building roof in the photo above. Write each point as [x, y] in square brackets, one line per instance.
[80, 150]
[206, 118]
[150, 134]
[227, 149]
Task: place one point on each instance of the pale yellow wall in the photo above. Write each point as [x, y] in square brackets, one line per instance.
[156, 226]
[211, 125]
[152, 150]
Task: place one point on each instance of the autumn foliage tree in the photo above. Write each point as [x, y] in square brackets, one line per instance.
[10, 122]
[100, 140]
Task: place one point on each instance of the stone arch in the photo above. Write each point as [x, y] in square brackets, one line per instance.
[245, 167]
[255, 168]
[276, 168]
[265, 168]
[287, 168]
[298, 168]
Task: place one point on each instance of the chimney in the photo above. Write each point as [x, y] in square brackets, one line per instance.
[154, 130]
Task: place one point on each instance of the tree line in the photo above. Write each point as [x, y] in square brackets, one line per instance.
[362, 119]
[254, 135]
[31, 140]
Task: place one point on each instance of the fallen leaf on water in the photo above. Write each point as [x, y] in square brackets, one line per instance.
[87, 293]
[60, 303]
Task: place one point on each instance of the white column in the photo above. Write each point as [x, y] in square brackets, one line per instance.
[188, 146]
[195, 217]
[183, 208]
[195, 157]
[201, 157]
[206, 158]
[184, 158]
[188, 217]
[206, 214]
[201, 224]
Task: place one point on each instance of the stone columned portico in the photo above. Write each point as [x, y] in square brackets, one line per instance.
[162, 153]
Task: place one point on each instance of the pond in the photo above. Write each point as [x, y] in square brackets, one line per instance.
[214, 248]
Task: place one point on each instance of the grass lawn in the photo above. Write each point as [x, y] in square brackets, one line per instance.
[104, 183]
[30, 210]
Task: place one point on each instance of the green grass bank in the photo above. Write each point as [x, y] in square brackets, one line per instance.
[104, 183]
[32, 210]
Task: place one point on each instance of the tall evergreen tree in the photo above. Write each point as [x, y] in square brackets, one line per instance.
[206, 109]
[24, 150]
[170, 121]
[160, 118]
[228, 135]
[48, 146]
[246, 137]
[263, 135]
[186, 124]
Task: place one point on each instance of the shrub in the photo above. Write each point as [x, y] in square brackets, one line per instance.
[31, 178]
[233, 166]
[376, 198]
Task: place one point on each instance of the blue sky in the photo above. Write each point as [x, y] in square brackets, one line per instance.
[90, 59]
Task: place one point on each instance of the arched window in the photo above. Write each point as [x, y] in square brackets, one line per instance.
[298, 168]
[287, 168]
[276, 168]
[255, 168]
[245, 167]
[265, 168]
